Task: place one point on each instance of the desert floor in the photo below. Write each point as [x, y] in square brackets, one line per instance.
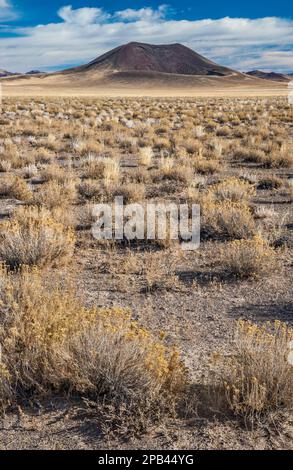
[224, 149]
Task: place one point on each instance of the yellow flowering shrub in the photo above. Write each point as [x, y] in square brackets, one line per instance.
[233, 189]
[33, 237]
[259, 377]
[51, 342]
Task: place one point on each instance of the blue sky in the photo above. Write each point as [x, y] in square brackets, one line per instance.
[52, 35]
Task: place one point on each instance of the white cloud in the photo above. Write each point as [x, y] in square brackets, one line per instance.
[82, 16]
[6, 11]
[85, 33]
[268, 61]
[144, 14]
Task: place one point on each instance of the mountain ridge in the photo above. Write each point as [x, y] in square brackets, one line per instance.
[275, 76]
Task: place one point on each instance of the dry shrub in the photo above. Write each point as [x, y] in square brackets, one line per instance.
[146, 156]
[139, 175]
[159, 270]
[257, 379]
[86, 216]
[166, 164]
[54, 172]
[279, 160]
[15, 187]
[272, 159]
[111, 172]
[273, 226]
[131, 192]
[11, 158]
[233, 189]
[206, 167]
[54, 194]
[93, 166]
[51, 343]
[162, 143]
[5, 166]
[227, 219]
[250, 155]
[91, 189]
[43, 155]
[30, 171]
[192, 147]
[33, 237]
[248, 258]
[270, 182]
[169, 169]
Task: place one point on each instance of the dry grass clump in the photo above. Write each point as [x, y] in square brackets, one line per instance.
[258, 378]
[92, 166]
[252, 258]
[182, 174]
[159, 271]
[206, 167]
[281, 159]
[56, 173]
[33, 237]
[131, 192]
[111, 171]
[5, 166]
[15, 187]
[29, 171]
[91, 189]
[146, 156]
[11, 157]
[250, 155]
[51, 343]
[269, 158]
[170, 169]
[106, 168]
[227, 219]
[43, 155]
[233, 189]
[54, 194]
[270, 182]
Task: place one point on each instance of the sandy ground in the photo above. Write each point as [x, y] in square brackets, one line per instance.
[199, 317]
[93, 85]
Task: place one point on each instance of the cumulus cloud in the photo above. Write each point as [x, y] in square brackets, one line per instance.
[83, 34]
[144, 14]
[82, 16]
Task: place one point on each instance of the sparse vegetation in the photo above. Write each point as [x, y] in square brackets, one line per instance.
[248, 258]
[257, 379]
[51, 343]
[33, 237]
[15, 187]
[97, 321]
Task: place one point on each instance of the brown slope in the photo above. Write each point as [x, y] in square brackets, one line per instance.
[173, 59]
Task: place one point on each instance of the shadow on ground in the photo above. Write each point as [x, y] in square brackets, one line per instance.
[264, 312]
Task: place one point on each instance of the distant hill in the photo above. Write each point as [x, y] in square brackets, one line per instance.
[142, 69]
[4, 73]
[33, 72]
[278, 77]
[138, 57]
